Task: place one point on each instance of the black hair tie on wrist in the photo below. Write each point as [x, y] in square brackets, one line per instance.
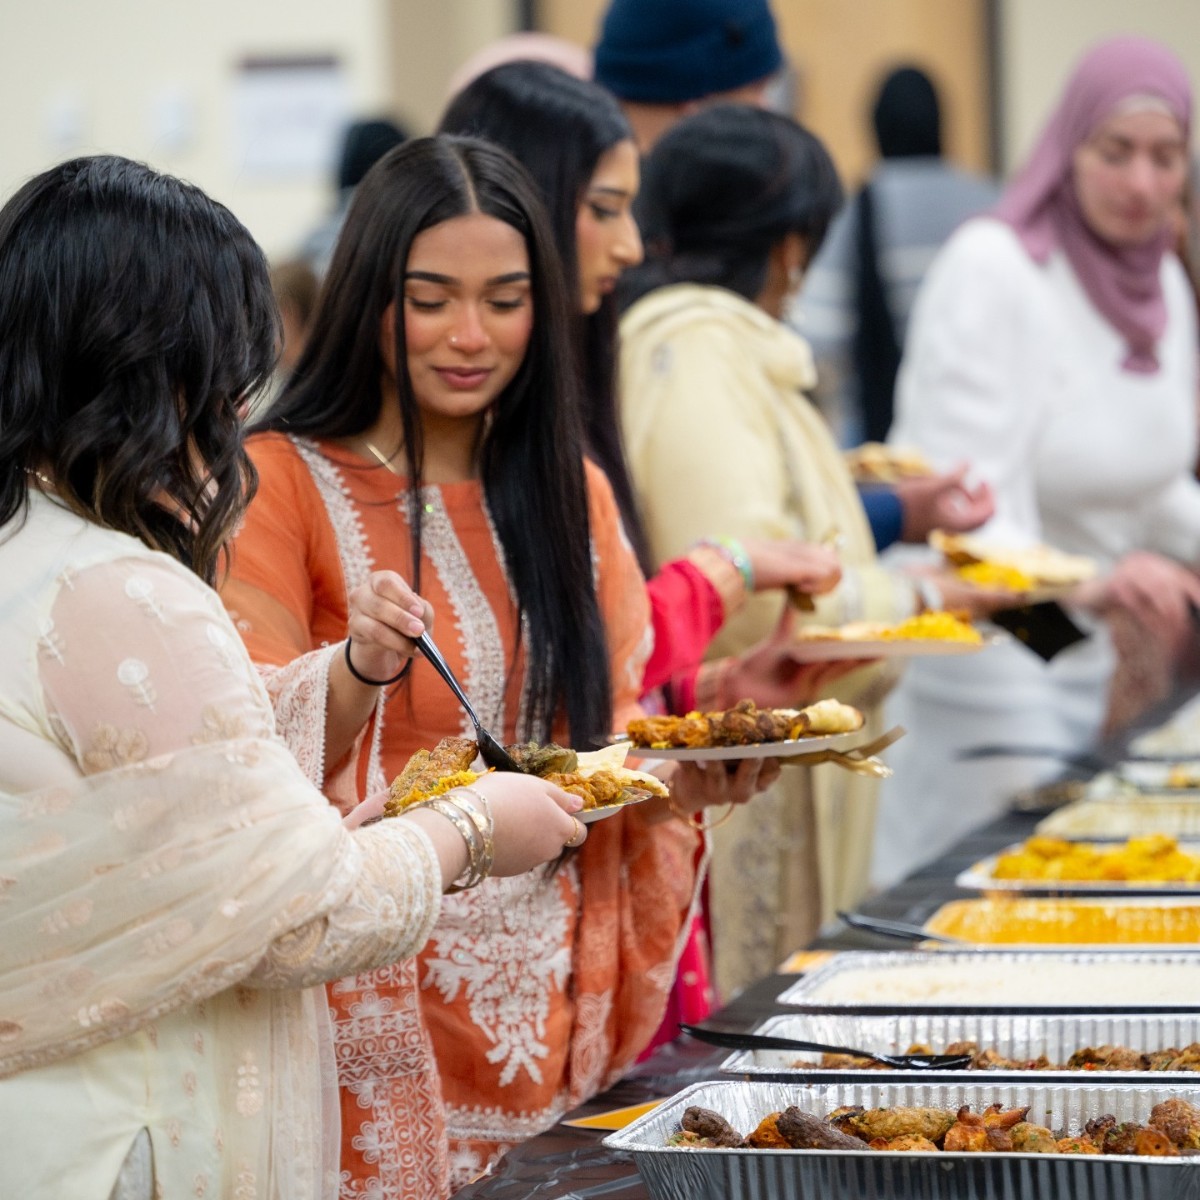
[375, 682]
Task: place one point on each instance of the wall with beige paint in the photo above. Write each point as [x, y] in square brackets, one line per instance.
[155, 80]
[1040, 40]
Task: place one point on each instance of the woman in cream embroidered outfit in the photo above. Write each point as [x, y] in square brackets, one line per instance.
[171, 886]
[432, 426]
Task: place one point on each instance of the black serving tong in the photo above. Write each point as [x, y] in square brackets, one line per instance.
[770, 1041]
[896, 929]
[492, 752]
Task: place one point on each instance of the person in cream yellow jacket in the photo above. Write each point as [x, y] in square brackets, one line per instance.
[721, 439]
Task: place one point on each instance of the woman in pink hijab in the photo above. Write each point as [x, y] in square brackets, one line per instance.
[1053, 345]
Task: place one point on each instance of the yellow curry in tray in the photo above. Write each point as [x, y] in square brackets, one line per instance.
[1154, 858]
[1097, 922]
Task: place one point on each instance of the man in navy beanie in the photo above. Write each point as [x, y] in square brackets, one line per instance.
[665, 58]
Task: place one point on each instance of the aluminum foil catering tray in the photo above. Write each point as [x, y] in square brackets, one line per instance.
[673, 1173]
[1056, 1035]
[981, 876]
[1083, 981]
[1120, 817]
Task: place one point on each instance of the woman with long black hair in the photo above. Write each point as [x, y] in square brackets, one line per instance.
[432, 427]
[173, 886]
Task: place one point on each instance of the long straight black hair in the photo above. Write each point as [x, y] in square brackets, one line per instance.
[558, 127]
[136, 317]
[532, 454]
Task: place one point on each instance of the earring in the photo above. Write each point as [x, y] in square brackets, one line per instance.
[795, 277]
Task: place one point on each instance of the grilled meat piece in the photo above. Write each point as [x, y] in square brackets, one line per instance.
[802, 1131]
[713, 1127]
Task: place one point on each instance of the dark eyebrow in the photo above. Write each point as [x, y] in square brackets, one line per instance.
[449, 280]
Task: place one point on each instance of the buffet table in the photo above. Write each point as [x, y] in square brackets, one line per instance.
[569, 1163]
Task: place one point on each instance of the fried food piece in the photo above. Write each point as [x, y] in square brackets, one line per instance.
[1028, 1138]
[542, 760]
[652, 731]
[1153, 1143]
[766, 1135]
[989, 1130]
[967, 1135]
[1121, 1139]
[889, 1123]
[711, 1126]
[1077, 1145]
[608, 786]
[907, 1142]
[1108, 1058]
[1187, 1059]
[803, 1131]
[427, 769]
[1179, 1120]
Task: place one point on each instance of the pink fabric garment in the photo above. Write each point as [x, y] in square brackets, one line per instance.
[1040, 204]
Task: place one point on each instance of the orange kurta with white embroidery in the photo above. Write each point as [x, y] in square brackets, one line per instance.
[536, 991]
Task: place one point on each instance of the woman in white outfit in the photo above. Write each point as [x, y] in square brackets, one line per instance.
[1054, 346]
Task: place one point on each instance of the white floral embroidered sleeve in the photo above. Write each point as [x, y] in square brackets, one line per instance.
[139, 659]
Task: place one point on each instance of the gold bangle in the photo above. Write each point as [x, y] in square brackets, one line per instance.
[473, 875]
[688, 818]
[709, 826]
[480, 813]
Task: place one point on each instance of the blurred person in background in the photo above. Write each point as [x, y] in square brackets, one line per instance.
[1054, 344]
[719, 434]
[853, 308]
[665, 59]
[363, 144]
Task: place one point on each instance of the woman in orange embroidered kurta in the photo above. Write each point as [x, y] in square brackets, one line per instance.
[538, 991]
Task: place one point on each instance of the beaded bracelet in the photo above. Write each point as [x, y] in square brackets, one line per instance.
[733, 550]
[375, 682]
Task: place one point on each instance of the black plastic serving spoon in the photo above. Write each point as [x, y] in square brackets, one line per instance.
[770, 1041]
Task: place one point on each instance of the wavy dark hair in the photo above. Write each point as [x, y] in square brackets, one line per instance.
[722, 188]
[531, 458]
[136, 316]
[558, 127]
